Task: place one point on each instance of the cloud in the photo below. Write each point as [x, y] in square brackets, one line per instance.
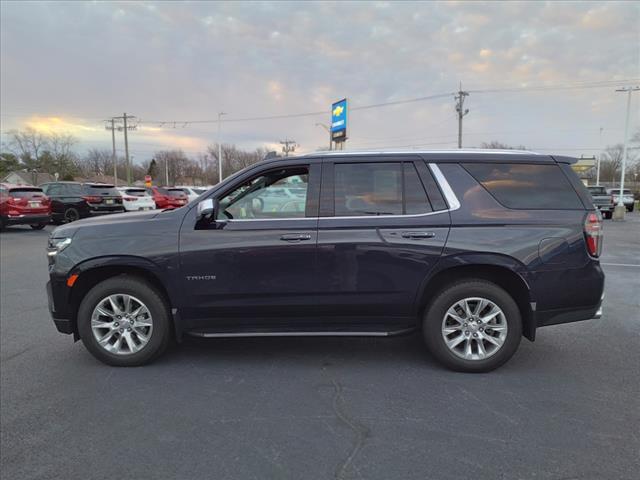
[176, 61]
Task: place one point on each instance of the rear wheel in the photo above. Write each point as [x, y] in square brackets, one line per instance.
[607, 215]
[472, 326]
[71, 215]
[630, 208]
[123, 321]
[38, 226]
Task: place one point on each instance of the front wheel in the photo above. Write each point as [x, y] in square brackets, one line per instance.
[124, 321]
[472, 326]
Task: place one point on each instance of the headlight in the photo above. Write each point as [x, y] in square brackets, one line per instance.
[56, 245]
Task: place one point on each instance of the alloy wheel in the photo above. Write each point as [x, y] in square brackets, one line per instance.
[121, 324]
[474, 328]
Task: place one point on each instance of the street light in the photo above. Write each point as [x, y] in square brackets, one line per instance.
[328, 131]
[220, 147]
[619, 210]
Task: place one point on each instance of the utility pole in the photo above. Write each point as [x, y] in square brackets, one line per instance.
[126, 149]
[113, 150]
[599, 159]
[126, 128]
[461, 111]
[220, 147]
[166, 170]
[619, 210]
[286, 148]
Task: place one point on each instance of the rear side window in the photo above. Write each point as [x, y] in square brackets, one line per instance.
[526, 186]
[71, 189]
[175, 192]
[393, 188]
[415, 197]
[368, 189]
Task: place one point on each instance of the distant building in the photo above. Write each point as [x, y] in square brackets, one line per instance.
[24, 177]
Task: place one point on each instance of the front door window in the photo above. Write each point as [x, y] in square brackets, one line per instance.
[276, 194]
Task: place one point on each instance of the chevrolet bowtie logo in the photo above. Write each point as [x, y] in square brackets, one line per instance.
[338, 111]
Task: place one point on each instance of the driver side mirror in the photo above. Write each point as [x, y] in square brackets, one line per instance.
[207, 208]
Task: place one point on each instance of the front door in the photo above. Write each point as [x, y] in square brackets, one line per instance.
[379, 235]
[255, 264]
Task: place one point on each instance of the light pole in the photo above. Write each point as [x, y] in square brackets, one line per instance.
[220, 147]
[599, 158]
[619, 210]
[329, 132]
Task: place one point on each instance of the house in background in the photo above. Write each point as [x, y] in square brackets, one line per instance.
[24, 177]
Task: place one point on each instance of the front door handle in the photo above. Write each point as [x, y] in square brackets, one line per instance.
[418, 235]
[295, 237]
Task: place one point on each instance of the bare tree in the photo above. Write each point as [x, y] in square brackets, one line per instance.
[28, 144]
[494, 144]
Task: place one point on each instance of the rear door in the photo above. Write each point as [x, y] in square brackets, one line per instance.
[256, 264]
[379, 235]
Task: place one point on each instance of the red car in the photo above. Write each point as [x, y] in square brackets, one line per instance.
[22, 205]
[167, 197]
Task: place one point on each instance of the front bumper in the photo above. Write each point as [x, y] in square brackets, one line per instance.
[57, 296]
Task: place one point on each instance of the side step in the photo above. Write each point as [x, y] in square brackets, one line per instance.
[213, 333]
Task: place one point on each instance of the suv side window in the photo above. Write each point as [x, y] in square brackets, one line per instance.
[368, 189]
[53, 190]
[379, 188]
[526, 186]
[415, 197]
[280, 193]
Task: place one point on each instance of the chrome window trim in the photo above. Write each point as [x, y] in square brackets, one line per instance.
[447, 191]
[449, 195]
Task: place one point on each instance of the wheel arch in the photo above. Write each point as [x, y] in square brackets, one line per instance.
[94, 271]
[501, 271]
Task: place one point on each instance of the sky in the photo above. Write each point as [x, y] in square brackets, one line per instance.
[66, 67]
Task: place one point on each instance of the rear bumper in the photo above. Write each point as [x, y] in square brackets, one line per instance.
[94, 212]
[26, 219]
[555, 317]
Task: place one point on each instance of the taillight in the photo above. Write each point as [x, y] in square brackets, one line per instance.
[93, 198]
[593, 234]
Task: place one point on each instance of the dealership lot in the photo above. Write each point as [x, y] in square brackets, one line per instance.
[566, 406]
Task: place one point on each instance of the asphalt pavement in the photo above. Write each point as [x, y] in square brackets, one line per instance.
[564, 407]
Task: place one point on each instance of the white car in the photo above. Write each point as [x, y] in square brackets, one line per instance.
[192, 192]
[135, 199]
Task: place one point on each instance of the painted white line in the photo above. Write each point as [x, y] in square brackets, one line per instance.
[620, 264]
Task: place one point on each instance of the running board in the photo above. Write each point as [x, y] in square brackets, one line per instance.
[314, 333]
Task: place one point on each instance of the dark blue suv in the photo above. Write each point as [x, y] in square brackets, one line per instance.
[475, 249]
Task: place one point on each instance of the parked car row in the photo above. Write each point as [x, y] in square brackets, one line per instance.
[64, 202]
[605, 199]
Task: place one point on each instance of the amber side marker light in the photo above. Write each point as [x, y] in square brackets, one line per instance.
[72, 279]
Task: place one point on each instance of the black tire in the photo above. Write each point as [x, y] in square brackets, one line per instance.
[435, 312]
[71, 215]
[630, 209]
[154, 301]
[607, 215]
[38, 226]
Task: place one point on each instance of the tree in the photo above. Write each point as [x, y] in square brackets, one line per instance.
[9, 162]
[28, 144]
[152, 169]
[494, 144]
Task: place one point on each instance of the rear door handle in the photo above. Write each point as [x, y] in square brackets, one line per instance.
[418, 235]
[295, 237]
